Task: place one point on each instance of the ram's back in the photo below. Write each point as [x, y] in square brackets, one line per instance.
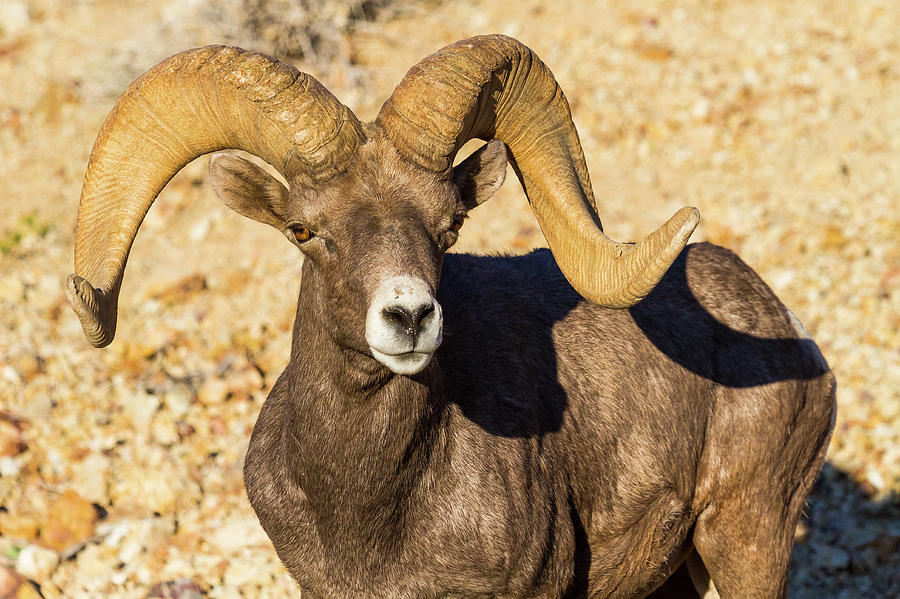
[706, 379]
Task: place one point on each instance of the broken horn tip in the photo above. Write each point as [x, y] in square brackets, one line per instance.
[86, 303]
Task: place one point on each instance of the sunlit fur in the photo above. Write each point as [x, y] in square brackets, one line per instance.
[550, 447]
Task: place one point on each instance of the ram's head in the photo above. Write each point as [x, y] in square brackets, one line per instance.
[372, 206]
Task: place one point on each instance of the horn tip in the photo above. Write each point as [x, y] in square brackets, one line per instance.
[685, 221]
[88, 304]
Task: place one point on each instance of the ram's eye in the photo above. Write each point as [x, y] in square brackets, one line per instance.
[301, 233]
[457, 223]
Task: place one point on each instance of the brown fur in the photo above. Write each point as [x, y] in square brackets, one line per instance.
[553, 448]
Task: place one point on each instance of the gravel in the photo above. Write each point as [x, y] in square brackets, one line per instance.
[120, 469]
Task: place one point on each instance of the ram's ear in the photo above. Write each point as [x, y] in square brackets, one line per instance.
[479, 176]
[248, 189]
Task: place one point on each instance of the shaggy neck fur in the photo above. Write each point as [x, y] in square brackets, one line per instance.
[364, 437]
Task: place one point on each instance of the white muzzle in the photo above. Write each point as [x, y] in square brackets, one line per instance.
[403, 324]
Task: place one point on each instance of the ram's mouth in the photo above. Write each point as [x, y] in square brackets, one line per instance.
[405, 363]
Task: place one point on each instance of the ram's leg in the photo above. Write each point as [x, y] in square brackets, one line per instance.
[745, 539]
[745, 550]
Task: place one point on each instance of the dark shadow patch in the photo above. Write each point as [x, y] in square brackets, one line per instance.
[675, 321]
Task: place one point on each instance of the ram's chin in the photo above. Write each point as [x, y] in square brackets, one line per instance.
[408, 363]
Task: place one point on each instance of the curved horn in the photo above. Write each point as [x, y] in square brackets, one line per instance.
[493, 87]
[195, 102]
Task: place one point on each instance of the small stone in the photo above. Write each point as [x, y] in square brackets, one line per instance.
[859, 537]
[165, 429]
[10, 466]
[158, 485]
[833, 557]
[39, 407]
[96, 561]
[17, 526]
[11, 440]
[238, 535]
[864, 560]
[14, 586]
[28, 366]
[37, 563]
[12, 289]
[175, 589]
[178, 402]
[140, 408]
[213, 391]
[245, 381]
[71, 520]
[182, 290]
[10, 580]
[10, 375]
[51, 591]
[240, 573]
[91, 478]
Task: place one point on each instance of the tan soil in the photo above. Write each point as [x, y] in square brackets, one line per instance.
[779, 120]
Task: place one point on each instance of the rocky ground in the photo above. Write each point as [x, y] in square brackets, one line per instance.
[120, 468]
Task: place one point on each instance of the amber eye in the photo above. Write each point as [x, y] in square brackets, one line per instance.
[301, 233]
[457, 223]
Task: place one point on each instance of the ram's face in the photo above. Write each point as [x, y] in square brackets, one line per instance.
[376, 236]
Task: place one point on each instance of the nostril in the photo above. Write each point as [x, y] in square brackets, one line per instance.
[409, 320]
[401, 318]
[423, 314]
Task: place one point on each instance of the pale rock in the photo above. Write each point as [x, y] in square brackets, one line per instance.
[199, 229]
[241, 572]
[10, 375]
[177, 566]
[178, 402]
[142, 536]
[39, 407]
[91, 478]
[874, 478]
[154, 485]
[9, 581]
[213, 391]
[51, 591]
[12, 289]
[165, 429]
[700, 109]
[37, 563]
[246, 380]
[95, 562]
[176, 589]
[140, 408]
[10, 466]
[113, 533]
[238, 535]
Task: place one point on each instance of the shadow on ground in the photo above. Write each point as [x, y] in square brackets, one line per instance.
[848, 545]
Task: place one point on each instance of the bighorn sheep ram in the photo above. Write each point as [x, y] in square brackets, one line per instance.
[465, 426]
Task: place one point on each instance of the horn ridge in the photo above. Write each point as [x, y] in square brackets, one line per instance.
[193, 103]
[516, 99]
